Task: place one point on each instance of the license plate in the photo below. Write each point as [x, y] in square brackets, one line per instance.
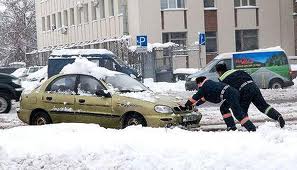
[190, 118]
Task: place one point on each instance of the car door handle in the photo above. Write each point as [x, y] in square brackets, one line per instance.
[81, 100]
[49, 98]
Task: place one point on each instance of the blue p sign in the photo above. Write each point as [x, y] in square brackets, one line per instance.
[142, 41]
[202, 38]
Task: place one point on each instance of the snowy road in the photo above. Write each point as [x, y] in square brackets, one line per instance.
[88, 146]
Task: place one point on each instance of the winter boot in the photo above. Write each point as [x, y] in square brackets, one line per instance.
[249, 126]
[233, 128]
[229, 122]
[275, 115]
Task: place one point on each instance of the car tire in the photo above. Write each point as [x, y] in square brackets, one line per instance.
[41, 118]
[134, 120]
[276, 84]
[5, 103]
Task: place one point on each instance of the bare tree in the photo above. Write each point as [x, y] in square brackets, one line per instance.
[17, 30]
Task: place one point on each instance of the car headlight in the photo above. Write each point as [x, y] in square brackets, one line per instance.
[16, 81]
[193, 79]
[163, 109]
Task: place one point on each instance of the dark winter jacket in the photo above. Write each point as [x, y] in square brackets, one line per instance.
[210, 91]
[235, 78]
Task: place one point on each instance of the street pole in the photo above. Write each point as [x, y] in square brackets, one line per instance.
[199, 64]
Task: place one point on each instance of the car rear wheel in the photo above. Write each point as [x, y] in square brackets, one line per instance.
[134, 120]
[5, 103]
[276, 84]
[41, 118]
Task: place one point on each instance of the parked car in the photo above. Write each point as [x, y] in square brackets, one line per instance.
[102, 57]
[39, 75]
[268, 67]
[110, 102]
[25, 72]
[10, 89]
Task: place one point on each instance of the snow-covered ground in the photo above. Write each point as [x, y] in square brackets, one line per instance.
[88, 146]
[83, 146]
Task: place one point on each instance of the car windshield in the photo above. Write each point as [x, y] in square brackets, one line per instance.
[119, 61]
[210, 65]
[124, 83]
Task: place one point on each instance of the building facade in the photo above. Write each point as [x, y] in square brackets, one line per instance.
[295, 24]
[230, 25]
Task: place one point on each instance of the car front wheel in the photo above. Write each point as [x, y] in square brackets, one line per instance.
[134, 120]
[5, 103]
[41, 118]
[276, 84]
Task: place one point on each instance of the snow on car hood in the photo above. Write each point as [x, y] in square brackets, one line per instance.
[84, 66]
[160, 99]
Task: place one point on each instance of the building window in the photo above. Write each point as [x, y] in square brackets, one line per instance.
[48, 18]
[120, 7]
[179, 38]
[246, 40]
[72, 16]
[94, 11]
[86, 13]
[209, 3]
[59, 20]
[211, 42]
[111, 8]
[172, 4]
[65, 18]
[43, 23]
[102, 9]
[54, 25]
[239, 3]
[79, 15]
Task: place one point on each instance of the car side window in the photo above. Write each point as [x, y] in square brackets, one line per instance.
[64, 85]
[89, 86]
[228, 63]
[108, 63]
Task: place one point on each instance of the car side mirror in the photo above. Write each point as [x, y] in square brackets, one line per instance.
[103, 93]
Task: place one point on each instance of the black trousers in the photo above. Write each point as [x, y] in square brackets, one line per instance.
[252, 94]
[249, 94]
[232, 98]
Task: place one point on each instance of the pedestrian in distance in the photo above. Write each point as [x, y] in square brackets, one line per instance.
[215, 92]
[249, 92]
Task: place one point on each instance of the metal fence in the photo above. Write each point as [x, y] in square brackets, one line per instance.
[157, 64]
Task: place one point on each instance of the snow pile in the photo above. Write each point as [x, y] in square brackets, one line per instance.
[150, 47]
[145, 96]
[19, 72]
[164, 86]
[185, 70]
[82, 146]
[84, 66]
[38, 75]
[30, 85]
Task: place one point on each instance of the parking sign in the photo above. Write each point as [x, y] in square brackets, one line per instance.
[202, 38]
[142, 41]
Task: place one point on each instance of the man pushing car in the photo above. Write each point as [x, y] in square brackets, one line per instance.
[215, 92]
[249, 92]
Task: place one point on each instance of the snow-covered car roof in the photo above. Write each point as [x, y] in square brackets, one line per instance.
[84, 66]
[76, 52]
[229, 55]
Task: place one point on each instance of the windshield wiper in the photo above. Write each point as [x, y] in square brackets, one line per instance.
[125, 91]
[129, 91]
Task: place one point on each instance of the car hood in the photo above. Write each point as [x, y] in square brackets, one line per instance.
[155, 98]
